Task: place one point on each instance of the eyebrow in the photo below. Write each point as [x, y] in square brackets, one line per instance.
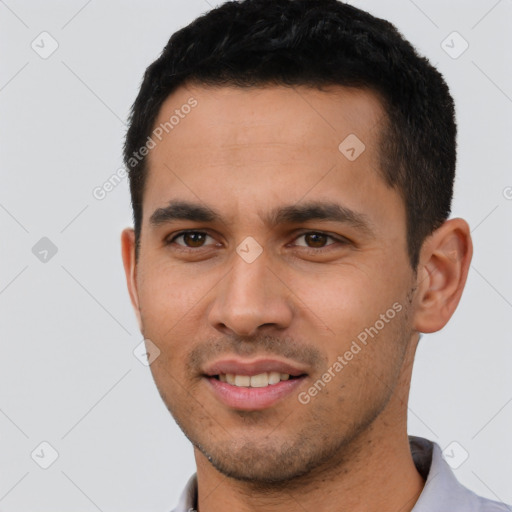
[290, 214]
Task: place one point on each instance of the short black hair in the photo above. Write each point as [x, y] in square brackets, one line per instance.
[316, 43]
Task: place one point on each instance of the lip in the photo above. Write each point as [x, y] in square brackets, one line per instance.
[255, 367]
[252, 399]
[247, 398]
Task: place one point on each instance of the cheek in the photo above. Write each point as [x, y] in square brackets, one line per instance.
[363, 317]
[168, 292]
[170, 309]
[347, 298]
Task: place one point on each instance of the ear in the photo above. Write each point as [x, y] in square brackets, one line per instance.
[442, 271]
[130, 269]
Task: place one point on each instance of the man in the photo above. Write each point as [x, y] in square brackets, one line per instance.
[291, 170]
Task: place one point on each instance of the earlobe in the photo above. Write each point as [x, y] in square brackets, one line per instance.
[442, 273]
[130, 269]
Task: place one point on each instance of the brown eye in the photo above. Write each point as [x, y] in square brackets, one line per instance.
[314, 240]
[191, 239]
[194, 239]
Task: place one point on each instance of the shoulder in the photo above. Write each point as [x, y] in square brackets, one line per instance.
[442, 490]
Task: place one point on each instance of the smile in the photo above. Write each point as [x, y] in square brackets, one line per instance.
[261, 380]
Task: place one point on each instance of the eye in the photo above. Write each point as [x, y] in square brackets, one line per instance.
[190, 239]
[316, 240]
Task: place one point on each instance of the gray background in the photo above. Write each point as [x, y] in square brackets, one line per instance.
[68, 375]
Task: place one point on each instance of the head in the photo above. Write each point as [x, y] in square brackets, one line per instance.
[309, 154]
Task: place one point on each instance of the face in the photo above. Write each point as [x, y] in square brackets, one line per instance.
[268, 250]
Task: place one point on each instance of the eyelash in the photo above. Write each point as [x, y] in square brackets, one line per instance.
[309, 250]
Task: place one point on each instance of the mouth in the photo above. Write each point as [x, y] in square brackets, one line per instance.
[253, 385]
[262, 380]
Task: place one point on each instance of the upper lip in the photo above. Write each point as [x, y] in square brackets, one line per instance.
[253, 367]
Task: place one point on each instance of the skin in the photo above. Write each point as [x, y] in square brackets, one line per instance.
[244, 153]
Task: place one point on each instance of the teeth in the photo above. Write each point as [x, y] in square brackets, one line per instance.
[242, 381]
[274, 377]
[261, 380]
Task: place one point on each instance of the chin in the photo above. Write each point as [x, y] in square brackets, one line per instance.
[265, 465]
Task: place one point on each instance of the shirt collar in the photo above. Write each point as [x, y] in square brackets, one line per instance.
[442, 491]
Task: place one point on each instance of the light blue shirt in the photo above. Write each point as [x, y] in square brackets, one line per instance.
[441, 493]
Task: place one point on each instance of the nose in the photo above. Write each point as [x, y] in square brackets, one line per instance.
[251, 297]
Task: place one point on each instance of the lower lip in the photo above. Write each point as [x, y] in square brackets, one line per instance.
[253, 399]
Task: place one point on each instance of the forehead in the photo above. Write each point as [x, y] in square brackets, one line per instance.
[252, 115]
[242, 147]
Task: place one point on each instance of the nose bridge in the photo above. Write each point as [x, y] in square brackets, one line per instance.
[250, 297]
[247, 286]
